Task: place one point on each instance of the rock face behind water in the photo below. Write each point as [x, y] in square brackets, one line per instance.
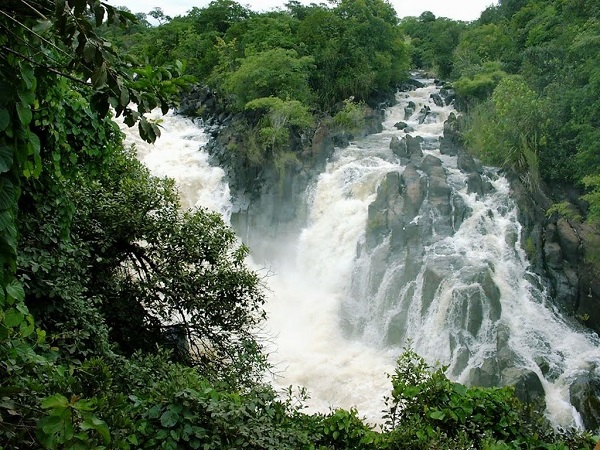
[268, 195]
[399, 230]
[562, 250]
[584, 394]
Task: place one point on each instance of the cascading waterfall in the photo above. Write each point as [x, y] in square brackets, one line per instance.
[179, 154]
[400, 249]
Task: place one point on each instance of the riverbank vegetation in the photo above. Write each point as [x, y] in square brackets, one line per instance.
[127, 323]
[527, 75]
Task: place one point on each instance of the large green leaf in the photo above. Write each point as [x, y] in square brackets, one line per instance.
[94, 423]
[169, 418]
[7, 194]
[4, 119]
[15, 290]
[6, 158]
[13, 318]
[24, 113]
[56, 401]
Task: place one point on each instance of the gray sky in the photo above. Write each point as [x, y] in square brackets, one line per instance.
[458, 9]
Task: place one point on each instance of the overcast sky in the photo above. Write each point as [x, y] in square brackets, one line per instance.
[459, 9]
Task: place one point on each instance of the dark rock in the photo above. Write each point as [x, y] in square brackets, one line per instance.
[461, 211]
[461, 360]
[584, 395]
[383, 212]
[413, 145]
[527, 384]
[467, 164]
[423, 113]
[415, 83]
[505, 356]
[485, 375]
[409, 110]
[414, 191]
[398, 147]
[450, 142]
[322, 145]
[437, 99]
[448, 95]
[569, 241]
[475, 183]
[552, 249]
[400, 125]
[341, 139]
[433, 277]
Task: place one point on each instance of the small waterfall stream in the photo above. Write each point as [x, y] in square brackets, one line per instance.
[399, 249]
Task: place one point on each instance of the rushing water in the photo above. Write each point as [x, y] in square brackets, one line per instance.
[337, 332]
[179, 154]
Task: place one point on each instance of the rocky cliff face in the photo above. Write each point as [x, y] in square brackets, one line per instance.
[266, 196]
[563, 251]
[414, 211]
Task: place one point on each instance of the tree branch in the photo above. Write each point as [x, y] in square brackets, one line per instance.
[48, 68]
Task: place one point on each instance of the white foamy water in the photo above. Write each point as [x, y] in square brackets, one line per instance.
[178, 154]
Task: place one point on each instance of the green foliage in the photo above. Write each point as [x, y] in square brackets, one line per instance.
[129, 260]
[483, 44]
[553, 49]
[592, 183]
[427, 410]
[314, 54]
[508, 129]
[479, 82]
[280, 118]
[565, 210]
[345, 430]
[432, 42]
[68, 423]
[351, 117]
[277, 73]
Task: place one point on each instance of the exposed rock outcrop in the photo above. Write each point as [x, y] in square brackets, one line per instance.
[562, 251]
[584, 394]
[450, 142]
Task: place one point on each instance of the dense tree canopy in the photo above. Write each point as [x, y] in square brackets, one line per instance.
[552, 46]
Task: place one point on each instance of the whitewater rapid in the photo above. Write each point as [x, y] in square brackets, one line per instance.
[314, 275]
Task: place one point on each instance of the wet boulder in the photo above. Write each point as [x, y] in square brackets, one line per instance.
[485, 375]
[467, 164]
[409, 110]
[527, 384]
[584, 394]
[413, 145]
[423, 113]
[437, 99]
[448, 95]
[384, 213]
[399, 147]
[450, 143]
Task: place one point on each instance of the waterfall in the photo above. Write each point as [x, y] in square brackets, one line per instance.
[178, 154]
[402, 247]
